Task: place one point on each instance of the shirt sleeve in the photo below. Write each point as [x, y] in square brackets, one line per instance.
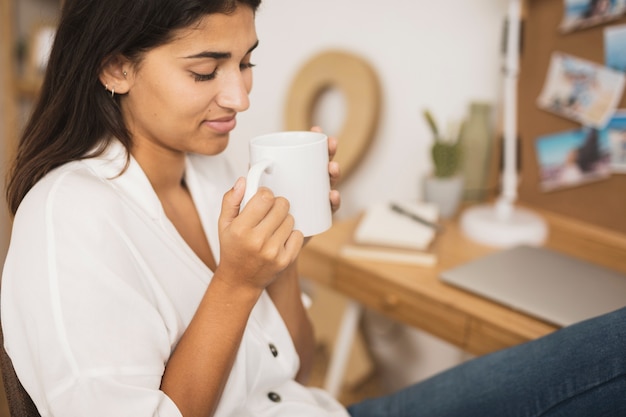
[86, 331]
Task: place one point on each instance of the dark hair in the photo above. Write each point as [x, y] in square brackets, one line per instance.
[592, 8]
[589, 152]
[74, 113]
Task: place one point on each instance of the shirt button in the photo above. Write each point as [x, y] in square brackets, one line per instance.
[273, 350]
[274, 397]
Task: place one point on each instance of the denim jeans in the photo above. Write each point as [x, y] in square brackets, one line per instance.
[578, 371]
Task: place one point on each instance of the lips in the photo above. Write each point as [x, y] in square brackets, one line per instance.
[223, 125]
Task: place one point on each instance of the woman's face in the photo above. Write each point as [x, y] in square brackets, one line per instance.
[185, 95]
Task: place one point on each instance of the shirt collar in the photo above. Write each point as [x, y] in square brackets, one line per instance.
[131, 182]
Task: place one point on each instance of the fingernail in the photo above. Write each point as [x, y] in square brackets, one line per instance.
[238, 184]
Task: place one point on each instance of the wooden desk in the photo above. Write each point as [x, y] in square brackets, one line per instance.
[415, 296]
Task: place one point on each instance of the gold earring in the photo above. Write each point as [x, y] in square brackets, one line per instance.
[125, 73]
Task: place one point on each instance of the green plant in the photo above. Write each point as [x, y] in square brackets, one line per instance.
[445, 152]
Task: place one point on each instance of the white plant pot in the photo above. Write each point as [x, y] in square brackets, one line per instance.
[446, 193]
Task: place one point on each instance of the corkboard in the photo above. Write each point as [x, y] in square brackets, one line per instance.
[602, 203]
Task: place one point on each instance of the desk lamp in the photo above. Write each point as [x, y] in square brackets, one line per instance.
[502, 224]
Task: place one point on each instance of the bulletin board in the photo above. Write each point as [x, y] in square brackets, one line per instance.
[602, 203]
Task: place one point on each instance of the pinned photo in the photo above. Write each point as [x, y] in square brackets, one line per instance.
[580, 14]
[581, 90]
[616, 133]
[573, 158]
[615, 47]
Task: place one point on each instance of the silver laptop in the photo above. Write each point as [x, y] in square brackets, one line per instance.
[541, 282]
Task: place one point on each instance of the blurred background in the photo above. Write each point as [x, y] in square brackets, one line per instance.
[427, 54]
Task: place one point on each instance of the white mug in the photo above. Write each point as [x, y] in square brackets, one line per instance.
[294, 165]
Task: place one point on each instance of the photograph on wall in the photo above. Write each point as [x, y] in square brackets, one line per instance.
[580, 14]
[615, 47]
[572, 158]
[616, 133]
[581, 90]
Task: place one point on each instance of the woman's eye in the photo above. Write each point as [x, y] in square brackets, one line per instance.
[204, 77]
[246, 65]
[207, 77]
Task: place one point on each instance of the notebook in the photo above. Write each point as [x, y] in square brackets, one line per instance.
[543, 283]
[382, 225]
[398, 232]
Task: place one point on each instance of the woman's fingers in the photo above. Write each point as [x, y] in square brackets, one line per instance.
[335, 172]
[335, 200]
[332, 147]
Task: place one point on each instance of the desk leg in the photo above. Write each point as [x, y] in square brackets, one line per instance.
[341, 350]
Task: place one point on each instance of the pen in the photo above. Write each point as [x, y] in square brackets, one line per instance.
[415, 217]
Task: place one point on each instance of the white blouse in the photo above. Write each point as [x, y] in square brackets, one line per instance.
[98, 287]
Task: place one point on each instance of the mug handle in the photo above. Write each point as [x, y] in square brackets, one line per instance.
[254, 178]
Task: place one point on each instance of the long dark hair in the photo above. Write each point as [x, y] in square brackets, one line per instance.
[74, 113]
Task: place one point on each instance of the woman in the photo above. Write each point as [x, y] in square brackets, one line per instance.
[150, 294]
[134, 287]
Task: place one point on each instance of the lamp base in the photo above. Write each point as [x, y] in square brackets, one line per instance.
[502, 225]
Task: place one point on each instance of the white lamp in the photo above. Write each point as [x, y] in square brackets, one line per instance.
[503, 224]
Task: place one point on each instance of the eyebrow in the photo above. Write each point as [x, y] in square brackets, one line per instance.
[219, 55]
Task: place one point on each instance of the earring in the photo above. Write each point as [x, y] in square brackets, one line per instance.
[112, 92]
[125, 73]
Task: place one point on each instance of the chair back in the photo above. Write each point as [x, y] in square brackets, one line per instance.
[20, 403]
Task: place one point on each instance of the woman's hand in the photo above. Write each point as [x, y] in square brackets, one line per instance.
[256, 246]
[333, 170]
[259, 242]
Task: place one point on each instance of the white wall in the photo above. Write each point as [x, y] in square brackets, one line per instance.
[436, 54]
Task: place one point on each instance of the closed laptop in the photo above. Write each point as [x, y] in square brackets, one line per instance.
[543, 283]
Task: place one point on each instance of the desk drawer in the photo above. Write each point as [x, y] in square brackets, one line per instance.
[399, 304]
[474, 333]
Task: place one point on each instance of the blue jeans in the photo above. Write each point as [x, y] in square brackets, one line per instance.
[578, 371]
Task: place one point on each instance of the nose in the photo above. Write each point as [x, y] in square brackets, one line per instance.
[235, 90]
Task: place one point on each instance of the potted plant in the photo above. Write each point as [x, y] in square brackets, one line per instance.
[444, 186]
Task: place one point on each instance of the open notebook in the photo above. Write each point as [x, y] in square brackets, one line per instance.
[543, 283]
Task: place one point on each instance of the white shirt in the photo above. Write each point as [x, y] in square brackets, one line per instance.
[98, 288]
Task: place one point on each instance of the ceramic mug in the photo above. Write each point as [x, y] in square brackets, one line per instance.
[294, 165]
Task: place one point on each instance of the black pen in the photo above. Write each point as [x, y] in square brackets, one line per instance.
[415, 217]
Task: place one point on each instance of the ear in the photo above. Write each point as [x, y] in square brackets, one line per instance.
[115, 74]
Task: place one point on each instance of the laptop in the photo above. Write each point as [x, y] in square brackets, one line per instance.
[543, 283]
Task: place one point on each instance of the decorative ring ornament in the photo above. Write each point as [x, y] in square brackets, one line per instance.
[359, 84]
